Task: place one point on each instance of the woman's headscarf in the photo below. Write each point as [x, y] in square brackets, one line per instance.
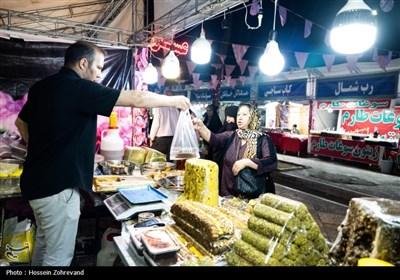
[252, 133]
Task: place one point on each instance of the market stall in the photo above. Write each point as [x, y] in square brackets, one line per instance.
[286, 104]
[356, 117]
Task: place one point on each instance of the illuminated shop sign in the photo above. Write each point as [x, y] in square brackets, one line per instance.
[179, 48]
[289, 90]
[356, 87]
[235, 94]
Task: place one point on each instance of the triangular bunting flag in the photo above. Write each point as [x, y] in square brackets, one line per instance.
[252, 72]
[214, 81]
[242, 79]
[239, 51]
[242, 65]
[196, 80]
[329, 59]
[387, 5]
[375, 55]
[228, 80]
[307, 28]
[232, 82]
[327, 38]
[216, 65]
[301, 58]
[352, 62]
[282, 15]
[255, 7]
[222, 57]
[229, 69]
[190, 65]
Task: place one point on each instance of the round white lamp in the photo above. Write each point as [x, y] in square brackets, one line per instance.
[201, 49]
[272, 61]
[354, 28]
[150, 74]
[170, 67]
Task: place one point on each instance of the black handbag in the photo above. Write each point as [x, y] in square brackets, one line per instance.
[248, 184]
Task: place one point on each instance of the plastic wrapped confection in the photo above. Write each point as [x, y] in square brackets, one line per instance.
[371, 229]
[281, 232]
[154, 155]
[135, 154]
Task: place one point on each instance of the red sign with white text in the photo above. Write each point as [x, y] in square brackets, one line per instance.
[367, 121]
[355, 105]
[345, 149]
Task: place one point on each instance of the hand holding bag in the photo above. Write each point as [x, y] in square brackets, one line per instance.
[184, 143]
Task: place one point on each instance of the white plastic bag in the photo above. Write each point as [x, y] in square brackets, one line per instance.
[184, 144]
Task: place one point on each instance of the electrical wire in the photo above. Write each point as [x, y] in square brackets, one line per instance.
[259, 16]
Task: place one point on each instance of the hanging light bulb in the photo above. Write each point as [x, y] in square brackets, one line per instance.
[201, 49]
[272, 61]
[170, 67]
[150, 74]
[354, 28]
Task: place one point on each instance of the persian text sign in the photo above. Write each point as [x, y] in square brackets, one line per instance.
[345, 149]
[289, 90]
[386, 121]
[354, 105]
[235, 94]
[201, 95]
[355, 87]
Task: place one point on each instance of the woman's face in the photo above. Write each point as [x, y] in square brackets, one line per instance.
[243, 117]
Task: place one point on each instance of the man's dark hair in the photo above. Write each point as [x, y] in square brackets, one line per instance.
[79, 50]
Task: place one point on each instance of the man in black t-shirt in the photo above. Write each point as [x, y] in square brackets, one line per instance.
[59, 122]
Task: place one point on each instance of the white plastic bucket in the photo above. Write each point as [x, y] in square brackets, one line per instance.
[386, 166]
[112, 145]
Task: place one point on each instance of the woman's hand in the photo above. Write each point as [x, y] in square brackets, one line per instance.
[197, 123]
[240, 164]
[203, 130]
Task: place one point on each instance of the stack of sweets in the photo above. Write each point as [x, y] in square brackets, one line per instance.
[281, 232]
